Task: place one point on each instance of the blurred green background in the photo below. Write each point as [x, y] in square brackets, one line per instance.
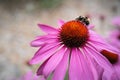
[18, 26]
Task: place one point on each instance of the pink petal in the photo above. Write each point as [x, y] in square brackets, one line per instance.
[48, 29]
[79, 68]
[103, 62]
[109, 76]
[95, 37]
[99, 58]
[39, 41]
[37, 58]
[42, 41]
[96, 40]
[117, 67]
[60, 22]
[75, 67]
[88, 74]
[54, 61]
[61, 69]
[47, 36]
[107, 47]
[96, 69]
[103, 45]
[45, 48]
[40, 69]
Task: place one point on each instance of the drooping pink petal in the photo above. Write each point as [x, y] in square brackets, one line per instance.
[117, 67]
[54, 61]
[48, 29]
[103, 45]
[79, 68]
[47, 36]
[60, 22]
[37, 43]
[40, 69]
[40, 40]
[95, 37]
[99, 58]
[45, 48]
[96, 40]
[96, 69]
[109, 76]
[37, 58]
[61, 69]
[75, 66]
[104, 63]
[88, 74]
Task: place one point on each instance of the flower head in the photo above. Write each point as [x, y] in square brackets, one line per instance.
[73, 34]
[74, 48]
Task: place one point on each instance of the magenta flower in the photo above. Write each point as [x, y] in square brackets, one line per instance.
[116, 21]
[72, 48]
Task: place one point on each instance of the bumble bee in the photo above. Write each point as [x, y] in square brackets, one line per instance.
[83, 19]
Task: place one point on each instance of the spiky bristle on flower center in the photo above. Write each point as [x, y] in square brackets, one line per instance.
[74, 34]
[112, 57]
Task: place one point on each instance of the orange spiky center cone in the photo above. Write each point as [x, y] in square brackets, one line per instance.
[74, 34]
